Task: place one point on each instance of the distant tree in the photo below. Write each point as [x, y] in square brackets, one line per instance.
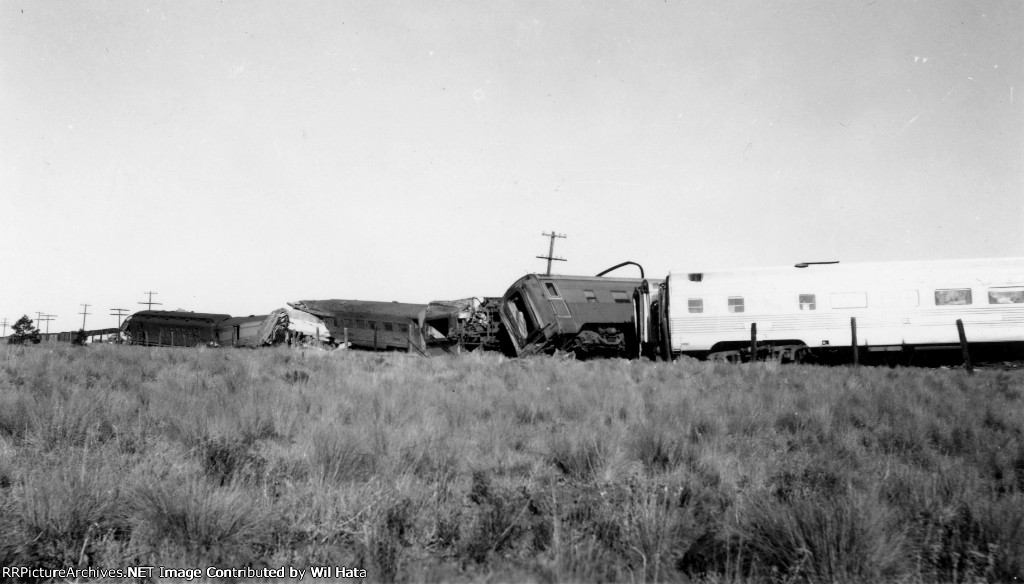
[23, 332]
[80, 338]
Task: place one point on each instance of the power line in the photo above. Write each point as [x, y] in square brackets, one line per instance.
[84, 313]
[149, 304]
[551, 250]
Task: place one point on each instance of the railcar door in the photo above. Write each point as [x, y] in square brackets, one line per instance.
[558, 305]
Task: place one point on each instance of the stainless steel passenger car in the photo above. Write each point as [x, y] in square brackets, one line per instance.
[899, 308]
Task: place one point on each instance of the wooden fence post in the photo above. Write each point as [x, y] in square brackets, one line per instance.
[963, 346]
[853, 334]
[753, 342]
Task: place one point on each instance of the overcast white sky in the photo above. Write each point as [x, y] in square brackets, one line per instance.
[234, 156]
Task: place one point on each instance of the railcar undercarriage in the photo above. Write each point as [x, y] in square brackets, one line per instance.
[603, 342]
[783, 353]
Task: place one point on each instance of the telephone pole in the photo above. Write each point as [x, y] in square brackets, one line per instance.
[85, 312]
[551, 250]
[47, 318]
[149, 304]
[119, 313]
[4, 323]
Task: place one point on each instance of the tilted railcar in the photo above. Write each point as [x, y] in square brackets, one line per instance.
[579, 314]
[441, 326]
[812, 311]
[373, 325]
[166, 328]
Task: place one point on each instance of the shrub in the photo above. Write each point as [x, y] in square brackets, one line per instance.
[24, 332]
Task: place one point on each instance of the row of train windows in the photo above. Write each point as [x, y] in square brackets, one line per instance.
[372, 325]
[619, 296]
[945, 297]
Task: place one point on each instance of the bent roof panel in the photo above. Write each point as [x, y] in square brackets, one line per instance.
[360, 307]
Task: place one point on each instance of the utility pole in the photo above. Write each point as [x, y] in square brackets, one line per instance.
[85, 312]
[119, 313]
[551, 250]
[4, 323]
[149, 304]
[47, 318]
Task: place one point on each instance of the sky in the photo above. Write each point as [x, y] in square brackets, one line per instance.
[235, 156]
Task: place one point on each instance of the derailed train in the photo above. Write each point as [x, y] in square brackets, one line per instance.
[888, 312]
[806, 312]
[440, 326]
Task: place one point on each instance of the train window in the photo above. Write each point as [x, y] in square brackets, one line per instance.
[953, 296]
[388, 328]
[621, 297]
[373, 325]
[1009, 295]
[807, 302]
[849, 300]
[591, 297]
[901, 299]
[735, 304]
[552, 291]
[695, 305]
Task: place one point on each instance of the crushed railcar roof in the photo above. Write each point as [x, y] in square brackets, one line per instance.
[367, 307]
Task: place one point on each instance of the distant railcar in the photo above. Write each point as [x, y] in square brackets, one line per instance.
[579, 314]
[164, 328]
[90, 335]
[900, 309]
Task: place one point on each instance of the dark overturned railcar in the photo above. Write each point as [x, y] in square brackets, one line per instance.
[165, 328]
[587, 316]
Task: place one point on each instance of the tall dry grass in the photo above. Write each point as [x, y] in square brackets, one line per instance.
[485, 468]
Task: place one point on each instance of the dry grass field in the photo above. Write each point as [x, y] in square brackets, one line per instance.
[481, 468]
